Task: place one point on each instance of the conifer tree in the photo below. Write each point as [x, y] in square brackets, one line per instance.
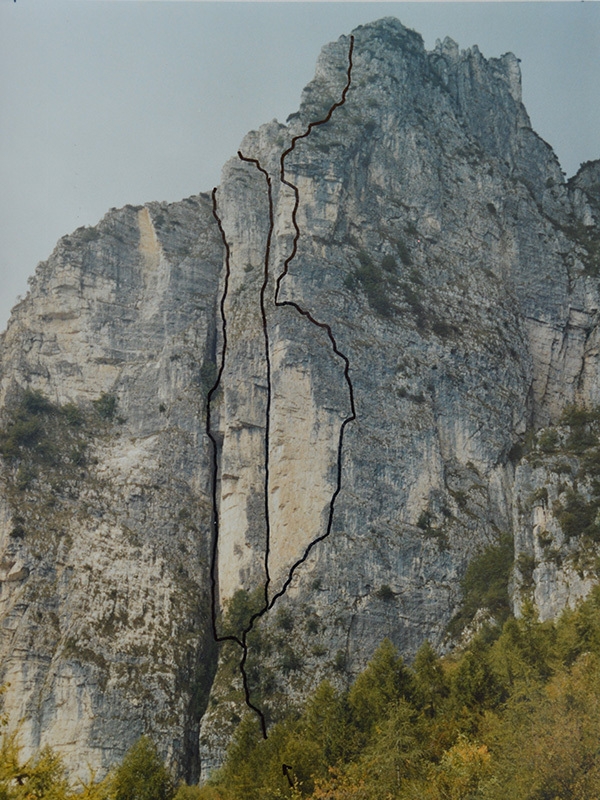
[142, 775]
[431, 686]
[383, 683]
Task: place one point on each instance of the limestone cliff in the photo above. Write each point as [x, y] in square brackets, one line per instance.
[377, 313]
[105, 509]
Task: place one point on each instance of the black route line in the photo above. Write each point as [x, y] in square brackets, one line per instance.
[268, 604]
[263, 313]
[215, 471]
[215, 455]
[323, 325]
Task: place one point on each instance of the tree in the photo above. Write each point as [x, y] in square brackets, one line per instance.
[547, 747]
[326, 720]
[485, 584]
[523, 653]
[461, 774]
[431, 686]
[474, 684]
[342, 785]
[241, 772]
[41, 778]
[383, 682]
[578, 631]
[44, 778]
[142, 774]
[395, 752]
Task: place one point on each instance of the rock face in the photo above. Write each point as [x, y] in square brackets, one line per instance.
[386, 304]
[105, 517]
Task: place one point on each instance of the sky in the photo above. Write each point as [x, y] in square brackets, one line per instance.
[108, 102]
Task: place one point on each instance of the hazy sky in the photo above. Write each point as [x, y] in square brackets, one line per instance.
[107, 102]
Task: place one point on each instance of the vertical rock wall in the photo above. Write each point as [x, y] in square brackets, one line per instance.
[106, 631]
[435, 241]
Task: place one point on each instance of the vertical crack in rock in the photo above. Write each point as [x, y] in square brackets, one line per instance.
[263, 313]
[215, 470]
[269, 603]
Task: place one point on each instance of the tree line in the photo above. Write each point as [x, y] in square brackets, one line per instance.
[515, 715]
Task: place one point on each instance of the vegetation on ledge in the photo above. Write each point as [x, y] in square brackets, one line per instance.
[46, 459]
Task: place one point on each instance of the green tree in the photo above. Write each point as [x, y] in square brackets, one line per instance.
[326, 720]
[241, 773]
[431, 685]
[240, 609]
[395, 753]
[462, 773]
[578, 631]
[485, 584]
[523, 654]
[106, 406]
[474, 684]
[33, 401]
[43, 778]
[185, 792]
[383, 682]
[547, 745]
[142, 775]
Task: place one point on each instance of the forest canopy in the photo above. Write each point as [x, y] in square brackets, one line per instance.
[514, 716]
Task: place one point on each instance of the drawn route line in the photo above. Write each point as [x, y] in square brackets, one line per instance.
[215, 471]
[268, 604]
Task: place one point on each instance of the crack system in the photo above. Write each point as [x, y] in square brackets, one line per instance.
[268, 604]
[263, 313]
[323, 325]
[215, 470]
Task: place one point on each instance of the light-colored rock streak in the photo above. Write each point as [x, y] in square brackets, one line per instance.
[303, 455]
[242, 411]
[154, 264]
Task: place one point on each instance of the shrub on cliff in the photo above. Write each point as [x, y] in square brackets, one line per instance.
[26, 426]
[485, 584]
[106, 406]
